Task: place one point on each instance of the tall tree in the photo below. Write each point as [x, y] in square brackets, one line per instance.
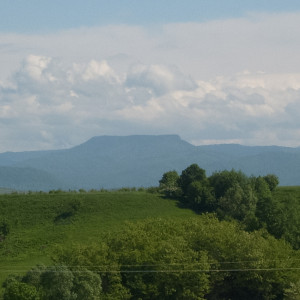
[189, 175]
[169, 184]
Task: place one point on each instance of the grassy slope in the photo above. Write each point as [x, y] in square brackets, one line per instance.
[285, 191]
[5, 191]
[34, 233]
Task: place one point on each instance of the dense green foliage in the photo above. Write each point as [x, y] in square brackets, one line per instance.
[253, 201]
[55, 282]
[128, 244]
[169, 183]
[37, 225]
[197, 258]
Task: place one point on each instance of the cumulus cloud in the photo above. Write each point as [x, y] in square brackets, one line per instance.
[47, 105]
[266, 42]
[158, 79]
[57, 90]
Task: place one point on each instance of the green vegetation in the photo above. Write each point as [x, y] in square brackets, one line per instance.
[255, 202]
[196, 258]
[227, 236]
[5, 191]
[39, 223]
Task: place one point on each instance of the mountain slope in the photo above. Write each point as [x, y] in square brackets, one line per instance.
[24, 179]
[114, 162]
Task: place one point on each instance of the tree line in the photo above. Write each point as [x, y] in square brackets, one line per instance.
[198, 258]
[233, 195]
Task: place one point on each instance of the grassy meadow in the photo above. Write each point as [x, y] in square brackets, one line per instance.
[40, 222]
[288, 191]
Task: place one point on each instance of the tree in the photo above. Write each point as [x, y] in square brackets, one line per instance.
[265, 203]
[235, 196]
[4, 230]
[231, 248]
[150, 259]
[194, 258]
[189, 175]
[87, 284]
[16, 290]
[200, 197]
[224, 180]
[169, 184]
[238, 202]
[55, 282]
[272, 181]
[293, 291]
[156, 261]
[279, 213]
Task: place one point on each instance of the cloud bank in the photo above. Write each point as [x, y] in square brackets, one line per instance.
[46, 105]
[58, 90]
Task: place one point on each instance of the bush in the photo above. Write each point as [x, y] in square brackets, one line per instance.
[4, 230]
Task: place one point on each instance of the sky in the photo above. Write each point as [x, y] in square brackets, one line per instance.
[211, 71]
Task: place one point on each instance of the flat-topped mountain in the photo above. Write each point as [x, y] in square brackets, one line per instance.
[138, 160]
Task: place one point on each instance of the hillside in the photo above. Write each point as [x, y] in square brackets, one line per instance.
[27, 178]
[40, 223]
[148, 237]
[114, 162]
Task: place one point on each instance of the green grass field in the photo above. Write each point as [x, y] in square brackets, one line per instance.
[40, 223]
[286, 191]
[5, 191]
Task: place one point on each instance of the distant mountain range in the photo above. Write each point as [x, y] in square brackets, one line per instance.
[135, 161]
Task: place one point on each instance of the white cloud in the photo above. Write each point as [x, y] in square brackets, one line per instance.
[95, 70]
[34, 67]
[91, 99]
[159, 79]
[269, 43]
[220, 81]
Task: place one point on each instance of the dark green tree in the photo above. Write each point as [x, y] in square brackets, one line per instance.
[87, 284]
[293, 291]
[265, 203]
[272, 181]
[17, 290]
[195, 258]
[189, 175]
[279, 213]
[4, 230]
[200, 197]
[169, 184]
[55, 282]
[237, 202]
[224, 180]
[235, 196]
[148, 260]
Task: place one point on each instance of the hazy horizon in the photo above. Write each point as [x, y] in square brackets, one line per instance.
[116, 136]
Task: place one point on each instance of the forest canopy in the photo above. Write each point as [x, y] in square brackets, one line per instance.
[232, 195]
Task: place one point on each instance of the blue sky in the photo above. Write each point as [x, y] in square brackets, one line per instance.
[44, 15]
[210, 71]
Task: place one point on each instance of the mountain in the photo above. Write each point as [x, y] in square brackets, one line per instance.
[24, 179]
[127, 161]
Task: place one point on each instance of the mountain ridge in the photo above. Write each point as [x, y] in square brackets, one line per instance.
[139, 160]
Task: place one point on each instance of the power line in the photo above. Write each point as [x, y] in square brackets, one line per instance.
[175, 264]
[164, 271]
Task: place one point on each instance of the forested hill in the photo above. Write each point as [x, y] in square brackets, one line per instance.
[127, 161]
